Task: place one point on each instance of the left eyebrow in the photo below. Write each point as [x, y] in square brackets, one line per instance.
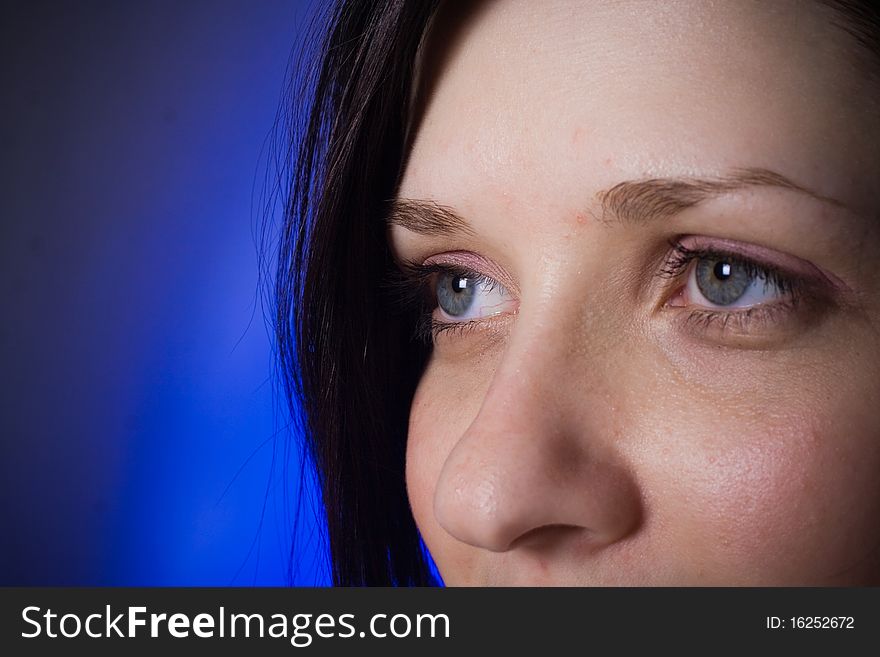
[639, 201]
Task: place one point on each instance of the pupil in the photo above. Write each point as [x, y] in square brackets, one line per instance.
[722, 270]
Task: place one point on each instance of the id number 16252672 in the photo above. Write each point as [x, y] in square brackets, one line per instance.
[810, 623]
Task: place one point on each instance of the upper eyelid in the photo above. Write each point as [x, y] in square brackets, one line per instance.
[412, 281]
[429, 270]
[769, 259]
[707, 251]
[688, 256]
[476, 264]
[432, 269]
[465, 272]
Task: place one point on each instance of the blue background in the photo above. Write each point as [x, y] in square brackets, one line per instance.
[142, 442]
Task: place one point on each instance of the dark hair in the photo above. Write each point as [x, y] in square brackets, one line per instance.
[350, 368]
[347, 358]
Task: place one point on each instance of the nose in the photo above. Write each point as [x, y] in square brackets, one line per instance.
[538, 458]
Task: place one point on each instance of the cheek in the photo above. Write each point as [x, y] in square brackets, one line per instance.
[763, 497]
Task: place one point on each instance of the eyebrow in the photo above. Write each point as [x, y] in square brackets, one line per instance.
[630, 201]
[637, 201]
[427, 218]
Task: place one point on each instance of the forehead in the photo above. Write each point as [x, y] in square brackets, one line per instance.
[551, 99]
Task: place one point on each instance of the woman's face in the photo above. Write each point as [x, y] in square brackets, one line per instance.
[654, 232]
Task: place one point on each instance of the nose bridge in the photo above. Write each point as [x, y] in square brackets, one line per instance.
[536, 454]
[554, 379]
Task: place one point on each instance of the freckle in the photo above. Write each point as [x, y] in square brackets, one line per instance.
[608, 161]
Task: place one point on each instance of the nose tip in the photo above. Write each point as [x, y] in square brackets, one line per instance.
[502, 505]
[474, 511]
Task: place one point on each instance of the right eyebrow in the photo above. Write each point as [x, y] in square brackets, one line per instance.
[427, 218]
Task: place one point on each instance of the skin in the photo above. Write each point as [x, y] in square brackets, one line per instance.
[594, 432]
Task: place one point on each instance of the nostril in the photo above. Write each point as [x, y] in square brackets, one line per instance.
[545, 536]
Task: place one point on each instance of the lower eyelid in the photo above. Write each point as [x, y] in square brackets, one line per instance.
[490, 328]
[439, 326]
[756, 327]
[740, 319]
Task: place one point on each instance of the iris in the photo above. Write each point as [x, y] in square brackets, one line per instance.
[723, 280]
[455, 293]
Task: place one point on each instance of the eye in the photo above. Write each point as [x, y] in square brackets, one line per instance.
[720, 281]
[727, 283]
[743, 295]
[463, 295]
[448, 297]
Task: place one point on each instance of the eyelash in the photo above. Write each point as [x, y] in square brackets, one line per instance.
[682, 256]
[413, 287]
[791, 287]
[414, 283]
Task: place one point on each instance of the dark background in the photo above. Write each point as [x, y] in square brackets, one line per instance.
[142, 442]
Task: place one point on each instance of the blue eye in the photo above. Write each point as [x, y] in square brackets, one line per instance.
[727, 282]
[467, 295]
[449, 297]
[455, 294]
